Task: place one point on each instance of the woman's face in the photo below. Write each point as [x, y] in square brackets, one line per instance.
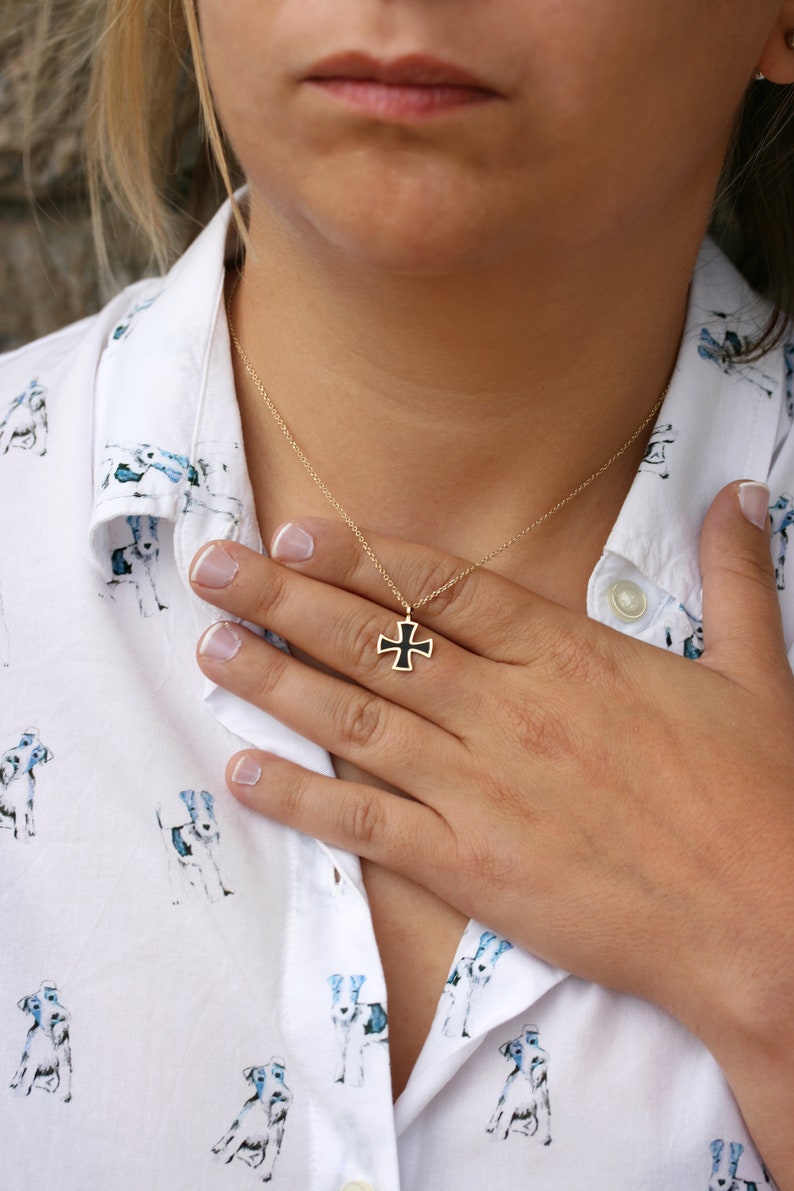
[589, 121]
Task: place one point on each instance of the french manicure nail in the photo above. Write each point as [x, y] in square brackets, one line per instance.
[754, 502]
[220, 643]
[246, 772]
[292, 543]
[214, 568]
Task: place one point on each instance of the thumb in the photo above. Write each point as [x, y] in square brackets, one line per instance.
[742, 627]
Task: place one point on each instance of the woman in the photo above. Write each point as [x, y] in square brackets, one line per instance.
[470, 292]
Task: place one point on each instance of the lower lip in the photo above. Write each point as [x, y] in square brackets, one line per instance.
[389, 101]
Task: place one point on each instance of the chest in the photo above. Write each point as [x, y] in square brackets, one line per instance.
[417, 936]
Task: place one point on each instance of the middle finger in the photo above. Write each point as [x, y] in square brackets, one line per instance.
[341, 631]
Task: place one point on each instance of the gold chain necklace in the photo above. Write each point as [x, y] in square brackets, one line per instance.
[406, 645]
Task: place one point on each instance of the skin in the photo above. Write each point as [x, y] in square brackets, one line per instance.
[416, 286]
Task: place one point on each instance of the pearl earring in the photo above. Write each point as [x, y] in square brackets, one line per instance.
[758, 76]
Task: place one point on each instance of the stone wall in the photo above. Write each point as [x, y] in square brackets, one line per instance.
[48, 268]
[48, 273]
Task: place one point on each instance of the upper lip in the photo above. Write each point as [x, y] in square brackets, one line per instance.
[417, 70]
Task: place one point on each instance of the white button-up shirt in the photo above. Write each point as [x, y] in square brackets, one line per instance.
[191, 997]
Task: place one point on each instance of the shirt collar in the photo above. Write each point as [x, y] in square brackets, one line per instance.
[168, 438]
[719, 422]
[167, 431]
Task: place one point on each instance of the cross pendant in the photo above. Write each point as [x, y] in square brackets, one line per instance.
[406, 645]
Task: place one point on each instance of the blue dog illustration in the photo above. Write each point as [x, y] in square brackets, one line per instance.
[192, 848]
[524, 1103]
[46, 1058]
[356, 1024]
[724, 354]
[256, 1133]
[781, 515]
[467, 980]
[147, 470]
[691, 646]
[724, 1165]
[25, 423]
[18, 781]
[136, 563]
[123, 329]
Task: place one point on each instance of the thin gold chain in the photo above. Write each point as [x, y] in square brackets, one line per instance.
[329, 496]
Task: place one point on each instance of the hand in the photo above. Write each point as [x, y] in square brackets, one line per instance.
[623, 813]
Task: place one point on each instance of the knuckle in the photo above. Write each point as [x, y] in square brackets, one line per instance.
[574, 655]
[357, 640]
[441, 573]
[363, 819]
[478, 863]
[361, 720]
[292, 789]
[536, 727]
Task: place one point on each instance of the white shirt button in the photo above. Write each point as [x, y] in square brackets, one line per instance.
[627, 600]
[358, 1185]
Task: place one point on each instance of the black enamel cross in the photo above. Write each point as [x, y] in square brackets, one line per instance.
[406, 645]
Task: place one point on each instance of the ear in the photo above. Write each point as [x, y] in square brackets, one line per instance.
[486, 938]
[24, 1004]
[776, 61]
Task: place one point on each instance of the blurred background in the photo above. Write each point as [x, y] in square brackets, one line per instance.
[48, 272]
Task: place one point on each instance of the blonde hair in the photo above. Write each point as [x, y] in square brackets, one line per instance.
[149, 92]
[136, 69]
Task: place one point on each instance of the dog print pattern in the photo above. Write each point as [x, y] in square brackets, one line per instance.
[25, 423]
[357, 1023]
[523, 1105]
[690, 646]
[136, 563]
[124, 328]
[46, 1061]
[192, 849]
[788, 360]
[655, 458]
[18, 782]
[781, 515]
[143, 470]
[256, 1134]
[466, 982]
[724, 354]
[724, 1167]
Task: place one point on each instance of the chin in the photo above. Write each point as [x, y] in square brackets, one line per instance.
[409, 223]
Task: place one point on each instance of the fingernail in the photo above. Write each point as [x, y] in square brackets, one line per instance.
[214, 568]
[220, 643]
[754, 501]
[246, 772]
[291, 543]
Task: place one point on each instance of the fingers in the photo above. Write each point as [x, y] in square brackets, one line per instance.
[379, 826]
[340, 631]
[371, 732]
[742, 626]
[485, 612]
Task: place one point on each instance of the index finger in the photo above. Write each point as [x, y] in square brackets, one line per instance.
[485, 612]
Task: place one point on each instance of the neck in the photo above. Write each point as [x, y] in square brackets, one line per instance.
[455, 410]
